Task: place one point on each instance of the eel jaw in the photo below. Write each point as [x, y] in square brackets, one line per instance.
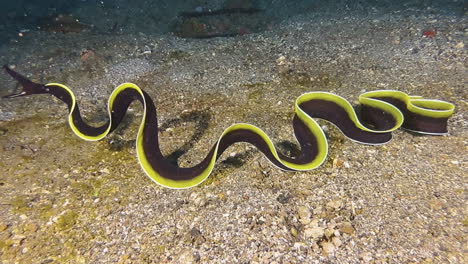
[29, 87]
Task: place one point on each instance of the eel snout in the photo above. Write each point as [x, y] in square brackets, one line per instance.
[28, 87]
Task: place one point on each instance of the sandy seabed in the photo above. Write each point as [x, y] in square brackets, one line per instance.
[69, 201]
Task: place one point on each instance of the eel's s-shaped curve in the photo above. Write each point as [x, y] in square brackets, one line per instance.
[384, 111]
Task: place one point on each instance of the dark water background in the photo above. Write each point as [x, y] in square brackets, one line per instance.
[157, 17]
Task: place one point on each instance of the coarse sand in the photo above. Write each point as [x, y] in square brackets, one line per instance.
[64, 200]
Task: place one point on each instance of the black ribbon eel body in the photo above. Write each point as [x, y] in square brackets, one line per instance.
[381, 113]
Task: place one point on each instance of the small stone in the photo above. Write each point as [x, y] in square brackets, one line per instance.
[304, 214]
[314, 232]
[337, 163]
[347, 228]
[198, 199]
[334, 204]
[185, 257]
[221, 196]
[3, 226]
[366, 257]
[31, 227]
[200, 202]
[17, 239]
[281, 61]
[329, 232]
[436, 204]
[327, 248]
[293, 231]
[299, 245]
[5, 235]
[427, 261]
[337, 241]
[284, 198]
[460, 45]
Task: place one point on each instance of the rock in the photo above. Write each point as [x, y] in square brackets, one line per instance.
[200, 202]
[281, 61]
[63, 24]
[347, 228]
[337, 241]
[314, 233]
[185, 257]
[30, 227]
[436, 204]
[5, 235]
[329, 232]
[17, 240]
[284, 198]
[304, 214]
[198, 199]
[335, 204]
[337, 163]
[3, 226]
[293, 231]
[327, 248]
[366, 257]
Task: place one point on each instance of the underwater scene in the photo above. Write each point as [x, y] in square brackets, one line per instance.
[233, 131]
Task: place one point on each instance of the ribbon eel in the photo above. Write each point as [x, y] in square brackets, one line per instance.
[381, 112]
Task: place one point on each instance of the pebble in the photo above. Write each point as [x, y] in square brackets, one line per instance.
[366, 257]
[293, 231]
[31, 227]
[347, 228]
[185, 257]
[281, 61]
[327, 248]
[17, 239]
[460, 45]
[200, 202]
[314, 232]
[198, 199]
[304, 214]
[337, 241]
[3, 226]
[436, 204]
[337, 163]
[335, 204]
[329, 232]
